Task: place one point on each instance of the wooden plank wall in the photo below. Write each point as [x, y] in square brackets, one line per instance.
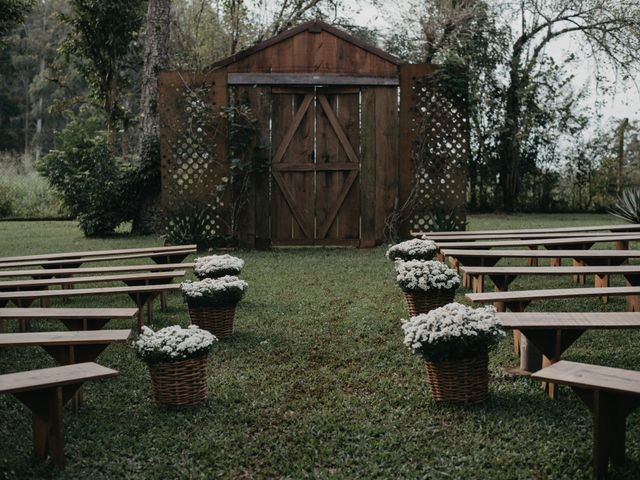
[379, 166]
[320, 52]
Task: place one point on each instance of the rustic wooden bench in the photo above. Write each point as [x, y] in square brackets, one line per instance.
[523, 236]
[105, 270]
[72, 318]
[140, 294]
[518, 301]
[68, 347]
[502, 277]
[625, 227]
[149, 278]
[553, 332]
[174, 256]
[130, 279]
[611, 394]
[621, 242]
[45, 392]
[97, 253]
[489, 258]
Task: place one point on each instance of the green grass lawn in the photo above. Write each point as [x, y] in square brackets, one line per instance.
[316, 383]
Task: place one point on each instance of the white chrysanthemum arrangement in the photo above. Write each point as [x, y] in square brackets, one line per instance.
[419, 276]
[172, 344]
[452, 332]
[416, 249]
[214, 292]
[214, 266]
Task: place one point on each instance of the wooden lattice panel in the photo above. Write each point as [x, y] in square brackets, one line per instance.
[194, 168]
[435, 133]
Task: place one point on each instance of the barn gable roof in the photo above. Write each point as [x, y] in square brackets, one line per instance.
[315, 26]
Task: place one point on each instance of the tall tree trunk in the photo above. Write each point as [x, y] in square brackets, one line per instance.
[155, 59]
[156, 53]
[509, 141]
[620, 153]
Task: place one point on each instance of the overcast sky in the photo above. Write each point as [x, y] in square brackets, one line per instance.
[625, 102]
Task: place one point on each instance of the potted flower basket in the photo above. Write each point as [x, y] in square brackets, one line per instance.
[426, 284]
[215, 266]
[415, 249]
[212, 303]
[177, 360]
[455, 341]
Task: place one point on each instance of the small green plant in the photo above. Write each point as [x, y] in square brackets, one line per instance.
[445, 221]
[627, 206]
[190, 224]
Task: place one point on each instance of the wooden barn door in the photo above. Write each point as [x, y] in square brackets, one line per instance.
[315, 165]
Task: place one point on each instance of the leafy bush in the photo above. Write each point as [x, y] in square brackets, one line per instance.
[97, 187]
[6, 201]
[627, 207]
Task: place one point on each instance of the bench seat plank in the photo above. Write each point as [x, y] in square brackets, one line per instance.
[522, 236]
[68, 313]
[591, 377]
[63, 272]
[98, 253]
[76, 262]
[53, 377]
[35, 294]
[461, 253]
[593, 228]
[539, 242]
[64, 338]
[555, 293]
[544, 270]
[150, 276]
[569, 320]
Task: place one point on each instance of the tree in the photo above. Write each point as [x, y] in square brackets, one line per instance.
[608, 29]
[13, 13]
[100, 44]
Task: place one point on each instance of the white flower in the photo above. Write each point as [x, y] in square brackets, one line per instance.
[413, 249]
[173, 343]
[224, 264]
[429, 275]
[453, 321]
[210, 286]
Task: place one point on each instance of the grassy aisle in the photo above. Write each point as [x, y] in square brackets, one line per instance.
[316, 383]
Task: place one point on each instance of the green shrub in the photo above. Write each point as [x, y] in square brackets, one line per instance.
[97, 187]
[6, 201]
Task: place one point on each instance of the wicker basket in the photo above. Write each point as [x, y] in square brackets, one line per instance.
[179, 384]
[459, 381]
[217, 320]
[418, 303]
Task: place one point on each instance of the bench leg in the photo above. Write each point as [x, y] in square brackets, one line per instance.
[533, 261]
[47, 406]
[609, 412]
[163, 301]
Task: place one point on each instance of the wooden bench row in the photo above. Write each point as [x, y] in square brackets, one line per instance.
[141, 294]
[99, 253]
[626, 227]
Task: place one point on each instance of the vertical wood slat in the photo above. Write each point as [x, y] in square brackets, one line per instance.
[386, 100]
[368, 168]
